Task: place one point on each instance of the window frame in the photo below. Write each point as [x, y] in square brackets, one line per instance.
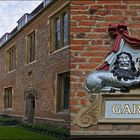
[60, 14]
[28, 52]
[59, 104]
[11, 60]
[67, 29]
[8, 102]
[57, 44]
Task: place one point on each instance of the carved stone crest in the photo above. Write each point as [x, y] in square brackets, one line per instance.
[120, 72]
[121, 68]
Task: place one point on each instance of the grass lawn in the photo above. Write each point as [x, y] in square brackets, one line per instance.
[12, 133]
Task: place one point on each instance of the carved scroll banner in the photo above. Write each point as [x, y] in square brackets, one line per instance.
[88, 116]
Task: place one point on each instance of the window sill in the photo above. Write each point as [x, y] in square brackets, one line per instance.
[8, 109]
[63, 112]
[31, 62]
[11, 71]
[59, 50]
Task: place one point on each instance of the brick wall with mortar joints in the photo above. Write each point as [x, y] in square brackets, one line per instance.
[90, 43]
[44, 70]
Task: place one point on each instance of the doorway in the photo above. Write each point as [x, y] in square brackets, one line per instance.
[30, 108]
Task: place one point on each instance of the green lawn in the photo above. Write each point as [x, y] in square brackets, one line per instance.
[12, 133]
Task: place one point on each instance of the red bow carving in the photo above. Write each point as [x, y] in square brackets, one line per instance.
[116, 29]
[119, 31]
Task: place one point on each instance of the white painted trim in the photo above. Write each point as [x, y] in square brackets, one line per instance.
[61, 49]
[51, 119]
[61, 7]
[12, 115]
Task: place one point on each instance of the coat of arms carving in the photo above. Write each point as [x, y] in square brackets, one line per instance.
[121, 69]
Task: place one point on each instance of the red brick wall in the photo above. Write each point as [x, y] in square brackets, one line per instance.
[90, 43]
[44, 70]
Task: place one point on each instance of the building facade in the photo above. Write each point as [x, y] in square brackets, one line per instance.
[90, 44]
[34, 63]
[49, 55]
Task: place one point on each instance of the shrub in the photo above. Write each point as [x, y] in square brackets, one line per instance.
[8, 121]
[44, 129]
[47, 129]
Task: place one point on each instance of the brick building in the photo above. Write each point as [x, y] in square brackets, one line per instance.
[36, 60]
[34, 65]
[90, 43]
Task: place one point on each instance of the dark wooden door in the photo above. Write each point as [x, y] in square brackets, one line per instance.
[30, 108]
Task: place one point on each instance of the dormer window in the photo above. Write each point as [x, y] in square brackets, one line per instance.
[23, 20]
[46, 2]
[4, 38]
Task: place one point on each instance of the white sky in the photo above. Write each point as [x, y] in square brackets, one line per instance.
[12, 10]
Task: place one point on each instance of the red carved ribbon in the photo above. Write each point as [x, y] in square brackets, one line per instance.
[119, 31]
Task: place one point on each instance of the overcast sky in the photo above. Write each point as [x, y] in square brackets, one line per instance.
[12, 10]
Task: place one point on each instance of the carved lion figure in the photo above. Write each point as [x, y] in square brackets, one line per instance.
[122, 75]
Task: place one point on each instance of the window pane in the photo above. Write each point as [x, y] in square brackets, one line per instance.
[66, 92]
[8, 97]
[31, 47]
[5, 99]
[11, 58]
[58, 33]
[65, 31]
[14, 58]
[63, 85]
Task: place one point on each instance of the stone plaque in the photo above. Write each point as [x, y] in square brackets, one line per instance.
[116, 108]
[122, 109]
